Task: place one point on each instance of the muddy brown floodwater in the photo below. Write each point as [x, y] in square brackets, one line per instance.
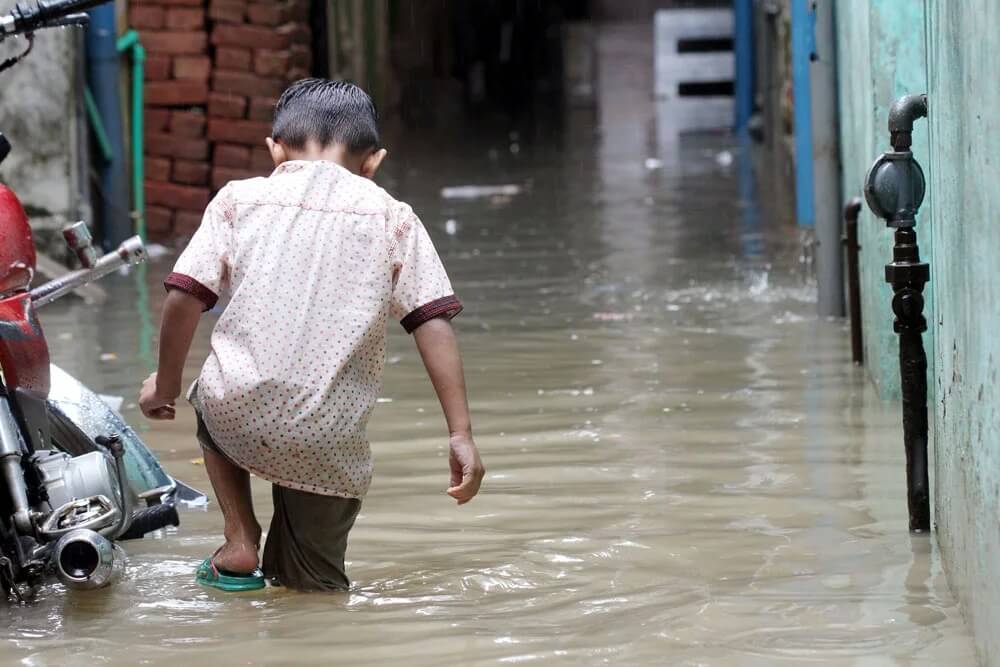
[684, 467]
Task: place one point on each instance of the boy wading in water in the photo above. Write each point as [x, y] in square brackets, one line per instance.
[314, 259]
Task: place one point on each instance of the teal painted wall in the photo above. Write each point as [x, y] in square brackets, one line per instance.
[881, 56]
[964, 96]
[951, 49]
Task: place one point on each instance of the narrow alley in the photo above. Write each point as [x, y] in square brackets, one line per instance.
[684, 466]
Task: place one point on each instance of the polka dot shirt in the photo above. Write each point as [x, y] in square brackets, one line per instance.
[314, 260]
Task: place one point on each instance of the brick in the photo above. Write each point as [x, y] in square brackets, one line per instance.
[295, 33]
[195, 68]
[298, 10]
[156, 168]
[262, 108]
[185, 18]
[260, 159]
[176, 93]
[270, 63]
[146, 16]
[186, 223]
[175, 43]
[250, 37]
[246, 84]
[155, 120]
[270, 13]
[188, 124]
[169, 145]
[159, 221]
[227, 11]
[157, 68]
[228, 57]
[246, 132]
[222, 175]
[221, 105]
[191, 173]
[300, 55]
[296, 73]
[228, 155]
[180, 197]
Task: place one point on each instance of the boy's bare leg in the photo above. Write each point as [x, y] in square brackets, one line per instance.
[181, 312]
[232, 490]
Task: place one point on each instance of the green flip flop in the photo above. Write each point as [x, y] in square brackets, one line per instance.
[230, 582]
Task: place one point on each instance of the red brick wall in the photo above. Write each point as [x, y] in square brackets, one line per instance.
[213, 73]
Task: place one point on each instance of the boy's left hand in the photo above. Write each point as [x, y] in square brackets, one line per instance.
[467, 469]
[153, 405]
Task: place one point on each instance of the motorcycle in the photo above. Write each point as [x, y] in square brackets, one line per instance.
[75, 479]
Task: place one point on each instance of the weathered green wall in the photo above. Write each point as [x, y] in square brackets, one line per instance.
[951, 49]
[880, 51]
[964, 96]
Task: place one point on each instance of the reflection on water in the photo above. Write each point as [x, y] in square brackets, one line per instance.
[685, 468]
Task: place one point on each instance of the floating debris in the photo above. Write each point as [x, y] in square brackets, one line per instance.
[724, 158]
[201, 502]
[653, 163]
[109, 356]
[613, 317]
[480, 191]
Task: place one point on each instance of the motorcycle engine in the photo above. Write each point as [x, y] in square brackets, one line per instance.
[84, 487]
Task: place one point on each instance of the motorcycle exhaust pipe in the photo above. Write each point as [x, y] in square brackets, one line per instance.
[85, 560]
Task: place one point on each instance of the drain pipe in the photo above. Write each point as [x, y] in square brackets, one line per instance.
[853, 248]
[130, 42]
[743, 55]
[826, 161]
[894, 190]
[802, 50]
[102, 76]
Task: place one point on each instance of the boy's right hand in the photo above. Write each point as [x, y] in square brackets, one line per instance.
[467, 469]
[153, 405]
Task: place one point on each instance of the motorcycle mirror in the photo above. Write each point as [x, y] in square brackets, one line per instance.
[79, 240]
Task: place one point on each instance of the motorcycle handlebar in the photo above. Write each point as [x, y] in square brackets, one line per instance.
[130, 252]
[31, 16]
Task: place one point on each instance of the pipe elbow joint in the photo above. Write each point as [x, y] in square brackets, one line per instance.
[853, 209]
[903, 112]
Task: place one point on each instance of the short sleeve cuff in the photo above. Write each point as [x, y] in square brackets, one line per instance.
[448, 307]
[189, 285]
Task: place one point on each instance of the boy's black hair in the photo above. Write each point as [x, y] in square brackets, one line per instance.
[327, 112]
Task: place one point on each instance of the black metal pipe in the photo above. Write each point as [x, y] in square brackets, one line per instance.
[851, 212]
[894, 189]
[908, 275]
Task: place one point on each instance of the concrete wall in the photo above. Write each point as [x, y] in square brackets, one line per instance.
[881, 56]
[38, 116]
[951, 49]
[964, 59]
